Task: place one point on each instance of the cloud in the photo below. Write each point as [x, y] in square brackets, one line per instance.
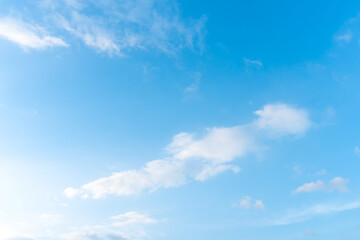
[309, 233]
[94, 236]
[337, 183]
[90, 32]
[132, 218]
[21, 238]
[256, 63]
[321, 172]
[129, 225]
[195, 85]
[28, 36]
[51, 219]
[280, 120]
[71, 192]
[344, 38]
[116, 27]
[297, 169]
[247, 203]
[200, 158]
[316, 210]
[357, 150]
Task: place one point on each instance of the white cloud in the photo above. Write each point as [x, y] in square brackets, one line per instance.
[195, 85]
[321, 172]
[256, 63]
[297, 169]
[218, 145]
[337, 183]
[51, 219]
[248, 203]
[121, 26]
[92, 236]
[28, 36]
[71, 192]
[280, 120]
[132, 218]
[357, 150]
[88, 30]
[309, 233]
[199, 158]
[156, 174]
[259, 204]
[344, 38]
[298, 216]
[129, 225]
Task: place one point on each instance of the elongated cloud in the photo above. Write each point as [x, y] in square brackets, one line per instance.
[28, 36]
[199, 158]
[298, 216]
[336, 184]
[132, 218]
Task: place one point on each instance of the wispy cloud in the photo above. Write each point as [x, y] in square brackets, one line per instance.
[338, 184]
[132, 218]
[92, 236]
[321, 172]
[201, 158]
[90, 32]
[248, 203]
[121, 26]
[357, 150]
[309, 233]
[27, 35]
[194, 86]
[129, 225]
[51, 218]
[298, 216]
[344, 37]
[256, 63]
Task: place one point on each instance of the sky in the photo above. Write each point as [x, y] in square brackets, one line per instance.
[164, 119]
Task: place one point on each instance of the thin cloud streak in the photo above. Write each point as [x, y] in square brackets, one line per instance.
[298, 216]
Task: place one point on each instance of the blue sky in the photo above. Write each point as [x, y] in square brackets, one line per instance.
[157, 119]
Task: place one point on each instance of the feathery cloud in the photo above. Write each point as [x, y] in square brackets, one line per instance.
[121, 26]
[298, 216]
